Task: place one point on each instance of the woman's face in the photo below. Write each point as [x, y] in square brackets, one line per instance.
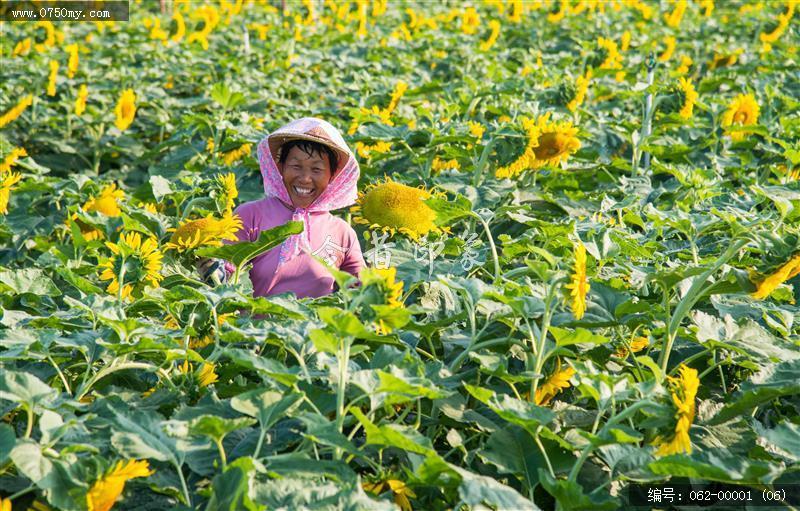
[305, 176]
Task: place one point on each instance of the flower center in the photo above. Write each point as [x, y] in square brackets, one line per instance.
[740, 117]
[550, 144]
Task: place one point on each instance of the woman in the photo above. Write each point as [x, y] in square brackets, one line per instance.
[308, 170]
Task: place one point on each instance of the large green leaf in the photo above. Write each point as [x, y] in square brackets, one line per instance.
[570, 495]
[786, 437]
[565, 337]
[774, 380]
[449, 211]
[29, 280]
[140, 434]
[24, 388]
[477, 490]
[241, 253]
[217, 428]
[231, 490]
[717, 465]
[7, 441]
[267, 406]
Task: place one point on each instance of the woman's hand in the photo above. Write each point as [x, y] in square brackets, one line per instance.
[212, 271]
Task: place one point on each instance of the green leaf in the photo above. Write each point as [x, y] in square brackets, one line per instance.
[785, 436]
[29, 280]
[774, 380]
[717, 465]
[161, 187]
[139, 434]
[449, 211]
[7, 441]
[522, 413]
[226, 98]
[241, 253]
[324, 341]
[217, 428]
[513, 451]
[231, 490]
[294, 465]
[267, 406]
[392, 435]
[346, 323]
[570, 495]
[30, 461]
[271, 368]
[477, 490]
[24, 388]
[403, 388]
[566, 337]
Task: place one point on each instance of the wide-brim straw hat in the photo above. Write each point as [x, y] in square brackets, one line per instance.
[315, 134]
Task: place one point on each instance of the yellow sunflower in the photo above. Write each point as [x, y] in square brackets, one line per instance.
[235, 155]
[80, 101]
[689, 97]
[6, 185]
[72, 64]
[609, 49]
[557, 382]
[11, 159]
[476, 129]
[684, 390]
[438, 165]
[16, 111]
[549, 143]
[742, 111]
[579, 287]
[206, 375]
[581, 87]
[227, 183]
[208, 231]
[125, 109]
[51, 80]
[399, 489]
[88, 232]
[393, 207]
[107, 203]
[637, 344]
[133, 264]
[106, 490]
[787, 271]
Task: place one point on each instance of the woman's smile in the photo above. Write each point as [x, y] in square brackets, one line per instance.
[305, 176]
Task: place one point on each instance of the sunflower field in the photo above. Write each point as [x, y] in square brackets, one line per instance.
[580, 220]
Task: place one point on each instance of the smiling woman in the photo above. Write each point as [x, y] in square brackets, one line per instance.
[308, 171]
[307, 168]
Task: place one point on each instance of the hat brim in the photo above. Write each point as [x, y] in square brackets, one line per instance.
[276, 141]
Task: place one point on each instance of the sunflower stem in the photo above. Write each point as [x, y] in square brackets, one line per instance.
[491, 246]
[576, 468]
[341, 386]
[29, 426]
[540, 354]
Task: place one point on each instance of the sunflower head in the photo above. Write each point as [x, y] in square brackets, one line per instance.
[556, 141]
[384, 297]
[681, 98]
[89, 232]
[125, 109]
[208, 232]
[226, 184]
[393, 207]
[134, 263]
[742, 111]
[107, 202]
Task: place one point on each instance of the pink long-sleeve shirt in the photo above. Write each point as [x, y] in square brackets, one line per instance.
[332, 239]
